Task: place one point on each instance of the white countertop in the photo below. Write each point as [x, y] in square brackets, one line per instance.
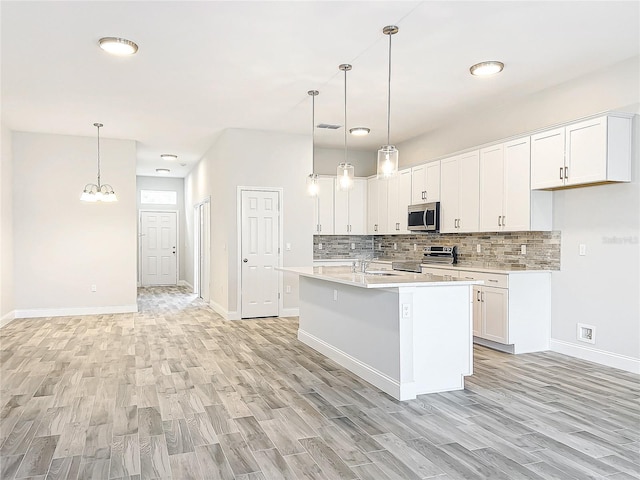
[396, 279]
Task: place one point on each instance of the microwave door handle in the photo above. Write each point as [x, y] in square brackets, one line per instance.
[424, 217]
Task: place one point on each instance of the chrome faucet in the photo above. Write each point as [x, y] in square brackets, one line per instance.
[364, 264]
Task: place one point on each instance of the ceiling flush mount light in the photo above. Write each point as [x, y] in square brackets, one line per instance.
[312, 179]
[359, 131]
[346, 172]
[483, 69]
[98, 192]
[169, 156]
[118, 46]
[163, 171]
[388, 154]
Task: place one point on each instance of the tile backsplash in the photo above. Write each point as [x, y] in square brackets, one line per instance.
[500, 250]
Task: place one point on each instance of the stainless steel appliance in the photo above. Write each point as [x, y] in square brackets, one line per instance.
[440, 254]
[413, 267]
[424, 217]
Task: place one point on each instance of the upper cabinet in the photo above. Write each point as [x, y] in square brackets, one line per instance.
[506, 201]
[596, 150]
[459, 193]
[425, 183]
[388, 201]
[323, 206]
[351, 209]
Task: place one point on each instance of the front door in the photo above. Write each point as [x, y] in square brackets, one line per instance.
[159, 241]
[260, 211]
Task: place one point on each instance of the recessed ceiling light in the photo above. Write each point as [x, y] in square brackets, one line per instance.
[169, 156]
[359, 131]
[163, 171]
[483, 69]
[118, 46]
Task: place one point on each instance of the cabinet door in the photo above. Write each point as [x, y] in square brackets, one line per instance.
[372, 206]
[478, 313]
[496, 318]
[449, 195]
[517, 192]
[547, 159]
[432, 182]
[383, 206]
[324, 206]
[358, 207]
[586, 152]
[341, 212]
[469, 192]
[393, 225]
[491, 188]
[418, 184]
[404, 198]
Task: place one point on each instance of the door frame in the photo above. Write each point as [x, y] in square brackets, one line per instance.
[140, 233]
[197, 288]
[279, 191]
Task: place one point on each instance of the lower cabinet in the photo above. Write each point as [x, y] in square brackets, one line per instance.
[491, 314]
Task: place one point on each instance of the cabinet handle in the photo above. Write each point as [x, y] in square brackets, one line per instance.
[560, 173]
[483, 296]
[566, 172]
[504, 220]
[319, 227]
[499, 223]
[375, 227]
[478, 295]
[398, 226]
[494, 281]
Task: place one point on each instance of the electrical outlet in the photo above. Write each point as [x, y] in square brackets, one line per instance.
[353, 246]
[94, 288]
[406, 310]
[287, 289]
[320, 246]
[478, 248]
[523, 249]
[582, 249]
[287, 247]
[395, 246]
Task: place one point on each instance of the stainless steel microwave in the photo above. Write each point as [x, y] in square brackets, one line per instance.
[424, 217]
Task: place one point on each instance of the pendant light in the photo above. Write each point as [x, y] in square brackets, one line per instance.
[346, 172]
[312, 180]
[98, 192]
[388, 154]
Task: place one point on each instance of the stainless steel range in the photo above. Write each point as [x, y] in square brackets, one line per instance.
[440, 255]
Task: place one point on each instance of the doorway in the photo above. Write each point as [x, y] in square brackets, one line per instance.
[201, 249]
[260, 236]
[158, 252]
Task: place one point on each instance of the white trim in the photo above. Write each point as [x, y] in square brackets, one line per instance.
[364, 371]
[584, 352]
[7, 318]
[140, 275]
[289, 312]
[239, 190]
[184, 283]
[73, 311]
[196, 259]
[223, 312]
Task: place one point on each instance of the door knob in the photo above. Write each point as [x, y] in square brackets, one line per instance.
[245, 260]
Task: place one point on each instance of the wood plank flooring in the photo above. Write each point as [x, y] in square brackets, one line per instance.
[176, 392]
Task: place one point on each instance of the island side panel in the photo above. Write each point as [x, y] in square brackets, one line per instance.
[358, 330]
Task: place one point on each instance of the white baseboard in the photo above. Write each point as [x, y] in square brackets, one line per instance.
[364, 371]
[223, 312]
[622, 362]
[184, 283]
[290, 312]
[73, 311]
[7, 318]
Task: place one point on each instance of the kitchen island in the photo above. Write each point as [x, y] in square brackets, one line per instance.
[406, 333]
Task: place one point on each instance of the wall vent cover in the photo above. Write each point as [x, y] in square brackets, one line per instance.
[328, 126]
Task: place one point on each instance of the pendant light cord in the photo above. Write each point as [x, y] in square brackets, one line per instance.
[98, 127]
[345, 115]
[313, 133]
[389, 97]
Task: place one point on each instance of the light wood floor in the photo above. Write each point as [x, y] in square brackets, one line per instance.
[176, 392]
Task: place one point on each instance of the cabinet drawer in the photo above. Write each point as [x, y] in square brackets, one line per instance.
[440, 271]
[489, 279]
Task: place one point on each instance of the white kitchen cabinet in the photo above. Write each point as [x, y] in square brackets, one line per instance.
[350, 209]
[372, 206]
[511, 310]
[323, 206]
[596, 150]
[425, 183]
[506, 200]
[399, 199]
[459, 193]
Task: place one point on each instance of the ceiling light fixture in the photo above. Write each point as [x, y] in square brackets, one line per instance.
[359, 131]
[98, 192]
[346, 172]
[118, 46]
[388, 154]
[483, 69]
[169, 156]
[312, 179]
[163, 171]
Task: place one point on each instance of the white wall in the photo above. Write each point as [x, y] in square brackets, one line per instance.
[166, 184]
[600, 289]
[252, 159]
[327, 160]
[6, 228]
[62, 246]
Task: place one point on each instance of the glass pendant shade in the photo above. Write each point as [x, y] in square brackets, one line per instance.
[345, 176]
[312, 185]
[387, 162]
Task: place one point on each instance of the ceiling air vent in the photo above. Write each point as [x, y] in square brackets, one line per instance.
[328, 126]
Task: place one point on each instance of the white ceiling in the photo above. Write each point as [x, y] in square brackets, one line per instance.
[204, 66]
